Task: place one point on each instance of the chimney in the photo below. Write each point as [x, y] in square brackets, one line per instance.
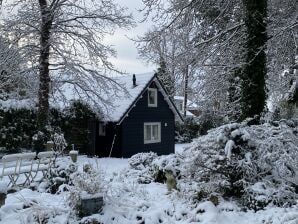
[134, 80]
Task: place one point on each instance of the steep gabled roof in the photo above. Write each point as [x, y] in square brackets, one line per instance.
[123, 102]
[143, 81]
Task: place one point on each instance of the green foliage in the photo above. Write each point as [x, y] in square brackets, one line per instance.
[254, 72]
[17, 128]
[208, 121]
[75, 123]
[187, 131]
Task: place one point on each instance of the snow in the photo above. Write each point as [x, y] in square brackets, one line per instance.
[180, 147]
[3, 187]
[228, 148]
[17, 104]
[189, 102]
[128, 202]
[117, 104]
[132, 197]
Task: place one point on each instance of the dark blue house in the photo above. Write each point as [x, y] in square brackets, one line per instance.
[142, 120]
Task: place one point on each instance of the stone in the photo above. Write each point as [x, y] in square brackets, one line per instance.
[90, 204]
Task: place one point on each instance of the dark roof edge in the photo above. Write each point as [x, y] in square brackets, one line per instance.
[181, 119]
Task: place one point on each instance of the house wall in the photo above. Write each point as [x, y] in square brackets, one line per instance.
[132, 127]
[103, 144]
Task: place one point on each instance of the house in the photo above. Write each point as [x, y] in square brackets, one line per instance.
[142, 120]
[192, 109]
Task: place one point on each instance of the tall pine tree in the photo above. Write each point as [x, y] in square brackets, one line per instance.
[254, 72]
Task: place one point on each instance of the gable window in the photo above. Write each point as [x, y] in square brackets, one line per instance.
[152, 132]
[181, 106]
[101, 129]
[152, 97]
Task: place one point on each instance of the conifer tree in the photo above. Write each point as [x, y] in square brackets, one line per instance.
[254, 72]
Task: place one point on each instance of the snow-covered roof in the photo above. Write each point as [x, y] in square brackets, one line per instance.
[189, 102]
[113, 105]
[125, 100]
[119, 104]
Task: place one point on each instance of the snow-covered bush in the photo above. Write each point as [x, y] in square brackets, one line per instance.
[60, 175]
[233, 159]
[89, 181]
[141, 165]
[86, 184]
[163, 164]
[148, 167]
[255, 164]
[59, 142]
[141, 160]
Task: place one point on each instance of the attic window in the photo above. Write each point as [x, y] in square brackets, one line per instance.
[101, 129]
[152, 97]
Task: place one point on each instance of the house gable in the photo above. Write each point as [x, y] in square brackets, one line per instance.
[132, 127]
[154, 83]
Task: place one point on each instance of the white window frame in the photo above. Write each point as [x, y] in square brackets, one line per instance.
[146, 141]
[155, 97]
[101, 129]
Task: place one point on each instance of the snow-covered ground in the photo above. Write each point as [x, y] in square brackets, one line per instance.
[130, 202]
[179, 148]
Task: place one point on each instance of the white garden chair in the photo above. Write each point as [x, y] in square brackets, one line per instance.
[26, 165]
[16, 164]
[44, 163]
[10, 168]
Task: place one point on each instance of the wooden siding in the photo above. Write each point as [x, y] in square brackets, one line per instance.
[132, 128]
[104, 143]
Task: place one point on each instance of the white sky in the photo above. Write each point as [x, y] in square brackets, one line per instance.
[127, 56]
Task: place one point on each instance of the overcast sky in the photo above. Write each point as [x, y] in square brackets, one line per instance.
[127, 56]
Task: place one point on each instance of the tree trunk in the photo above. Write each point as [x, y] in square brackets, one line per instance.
[185, 90]
[44, 77]
[254, 74]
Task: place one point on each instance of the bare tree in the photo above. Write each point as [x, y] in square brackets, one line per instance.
[218, 32]
[208, 37]
[63, 39]
[282, 48]
[11, 81]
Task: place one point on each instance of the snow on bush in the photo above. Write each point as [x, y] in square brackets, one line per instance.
[256, 164]
[141, 160]
[237, 159]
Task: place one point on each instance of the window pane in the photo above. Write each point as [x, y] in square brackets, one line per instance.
[101, 129]
[155, 133]
[151, 97]
[181, 106]
[148, 132]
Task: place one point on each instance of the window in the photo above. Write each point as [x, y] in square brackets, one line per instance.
[181, 106]
[152, 132]
[152, 97]
[101, 129]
